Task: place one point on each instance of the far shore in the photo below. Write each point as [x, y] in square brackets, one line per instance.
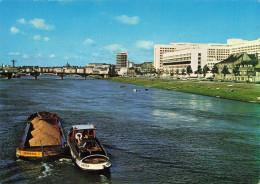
[246, 92]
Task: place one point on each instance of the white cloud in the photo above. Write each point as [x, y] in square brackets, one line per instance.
[40, 24]
[73, 57]
[39, 55]
[14, 30]
[89, 42]
[95, 54]
[14, 53]
[25, 56]
[146, 45]
[128, 20]
[114, 48]
[52, 56]
[46, 39]
[21, 21]
[37, 37]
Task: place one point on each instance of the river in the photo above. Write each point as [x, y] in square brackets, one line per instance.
[152, 136]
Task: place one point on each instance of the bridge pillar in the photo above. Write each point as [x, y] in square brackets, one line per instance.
[8, 77]
[61, 77]
[34, 74]
[84, 77]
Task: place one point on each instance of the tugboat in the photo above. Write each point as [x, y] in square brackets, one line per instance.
[86, 150]
[43, 138]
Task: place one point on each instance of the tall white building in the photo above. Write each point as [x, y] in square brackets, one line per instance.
[122, 60]
[180, 55]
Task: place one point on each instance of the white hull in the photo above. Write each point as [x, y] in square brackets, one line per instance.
[92, 167]
[88, 166]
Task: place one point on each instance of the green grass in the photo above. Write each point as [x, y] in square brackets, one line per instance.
[246, 92]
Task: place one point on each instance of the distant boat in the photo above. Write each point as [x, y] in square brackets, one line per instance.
[86, 150]
[43, 138]
[122, 86]
[135, 90]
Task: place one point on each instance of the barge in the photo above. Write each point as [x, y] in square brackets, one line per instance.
[43, 138]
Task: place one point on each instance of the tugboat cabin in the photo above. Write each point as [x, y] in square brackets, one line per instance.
[84, 131]
[84, 136]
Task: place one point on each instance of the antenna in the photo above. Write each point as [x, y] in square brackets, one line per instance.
[13, 61]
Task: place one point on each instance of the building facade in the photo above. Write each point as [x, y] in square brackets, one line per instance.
[180, 55]
[239, 46]
[159, 50]
[240, 67]
[194, 55]
[122, 60]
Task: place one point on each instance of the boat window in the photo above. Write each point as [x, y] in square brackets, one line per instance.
[89, 134]
[92, 133]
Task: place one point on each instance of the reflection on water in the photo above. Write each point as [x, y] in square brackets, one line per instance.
[153, 136]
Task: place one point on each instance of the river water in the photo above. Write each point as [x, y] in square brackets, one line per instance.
[152, 136]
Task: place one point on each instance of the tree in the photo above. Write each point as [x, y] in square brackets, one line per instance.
[172, 73]
[177, 72]
[138, 71]
[205, 70]
[183, 71]
[225, 71]
[199, 71]
[215, 70]
[236, 71]
[189, 70]
[112, 71]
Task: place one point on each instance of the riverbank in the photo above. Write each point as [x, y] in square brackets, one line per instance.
[246, 92]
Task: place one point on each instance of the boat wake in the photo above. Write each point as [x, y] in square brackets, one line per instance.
[65, 160]
[104, 179]
[46, 172]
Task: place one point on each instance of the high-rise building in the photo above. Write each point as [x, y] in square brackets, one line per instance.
[122, 60]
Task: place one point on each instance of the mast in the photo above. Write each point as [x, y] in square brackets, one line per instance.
[13, 61]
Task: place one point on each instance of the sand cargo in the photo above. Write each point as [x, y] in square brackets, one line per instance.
[43, 138]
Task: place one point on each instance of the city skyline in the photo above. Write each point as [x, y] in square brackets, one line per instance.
[52, 33]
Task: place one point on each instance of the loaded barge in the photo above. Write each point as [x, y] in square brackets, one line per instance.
[43, 138]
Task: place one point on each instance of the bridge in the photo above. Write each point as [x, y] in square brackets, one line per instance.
[61, 72]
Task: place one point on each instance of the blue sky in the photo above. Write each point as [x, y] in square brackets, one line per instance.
[54, 32]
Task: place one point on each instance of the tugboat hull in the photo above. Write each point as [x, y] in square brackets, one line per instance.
[86, 150]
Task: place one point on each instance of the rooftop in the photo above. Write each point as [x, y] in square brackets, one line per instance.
[83, 127]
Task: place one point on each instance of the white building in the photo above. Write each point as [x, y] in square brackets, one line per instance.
[159, 50]
[122, 71]
[131, 64]
[239, 45]
[122, 59]
[98, 68]
[194, 55]
[180, 55]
